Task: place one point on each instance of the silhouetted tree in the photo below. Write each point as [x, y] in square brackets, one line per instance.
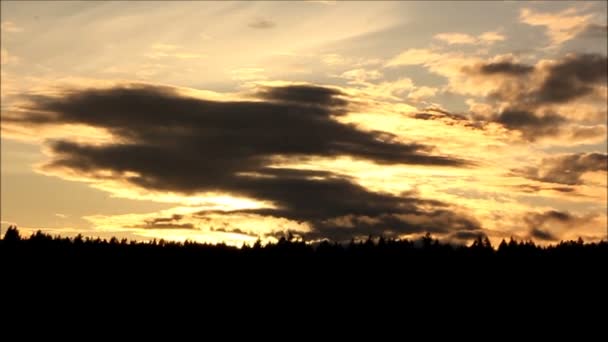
[12, 235]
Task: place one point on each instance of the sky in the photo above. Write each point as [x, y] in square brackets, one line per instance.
[237, 121]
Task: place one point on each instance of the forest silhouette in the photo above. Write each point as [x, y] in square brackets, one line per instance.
[389, 269]
[424, 253]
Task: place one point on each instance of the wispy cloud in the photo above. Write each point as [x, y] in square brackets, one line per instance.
[455, 38]
[560, 26]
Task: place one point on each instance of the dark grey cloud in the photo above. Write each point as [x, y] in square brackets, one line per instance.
[340, 210]
[435, 114]
[450, 119]
[304, 95]
[508, 68]
[543, 235]
[171, 222]
[172, 218]
[169, 142]
[566, 169]
[262, 24]
[540, 224]
[233, 230]
[529, 188]
[438, 221]
[566, 80]
[168, 225]
[529, 124]
[573, 77]
[570, 78]
[527, 100]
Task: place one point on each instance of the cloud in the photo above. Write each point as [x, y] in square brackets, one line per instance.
[553, 99]
[560, 27]
[262, 24]
[451, 65]
[305, 95]
[508, 68]
[168, 142]
[542, 235]
[529, 124]
[171, 222]
[233, 231]
[455, 38]
[573, 77]
[552, 225]
[491, 37]
[9, 26]
[594, 31]
[529, 188]
[361, 76]
[415, 57]
[566, 169]
[168, 225]
[547, 98]
[172, 218]
[422, 93]
[439, 222]
[548, 82]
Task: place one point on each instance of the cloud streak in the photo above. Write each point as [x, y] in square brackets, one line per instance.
[566, 169]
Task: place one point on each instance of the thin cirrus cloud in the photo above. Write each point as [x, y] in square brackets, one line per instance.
[168, 142]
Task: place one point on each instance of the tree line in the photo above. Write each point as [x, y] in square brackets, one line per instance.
[290, 245]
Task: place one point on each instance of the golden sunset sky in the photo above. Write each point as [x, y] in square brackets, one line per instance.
[233, 121]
